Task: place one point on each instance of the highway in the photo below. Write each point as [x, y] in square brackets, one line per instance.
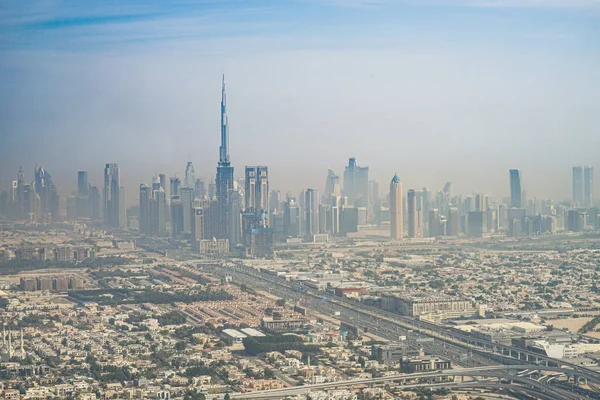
[389, 322]
[493, 378]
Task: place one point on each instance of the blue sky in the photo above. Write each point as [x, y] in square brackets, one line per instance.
[433, 90]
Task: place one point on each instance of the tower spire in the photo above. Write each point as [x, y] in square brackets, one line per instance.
[224, 149]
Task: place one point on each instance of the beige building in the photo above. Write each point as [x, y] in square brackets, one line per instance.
[396, 229]
[443, 306]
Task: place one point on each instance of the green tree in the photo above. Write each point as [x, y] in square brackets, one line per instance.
[180, 346]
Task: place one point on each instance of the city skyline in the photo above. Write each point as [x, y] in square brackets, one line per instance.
[513, 86]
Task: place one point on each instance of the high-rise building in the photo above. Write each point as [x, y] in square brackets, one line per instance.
[145, 216]
[95, 206]
[396, 230]
[198, 227]
[189, 179]
[516, 194]
[292, 218]
[332, 184]
[257, 190]
[312, 213]
[452, 222]
[225, 177]
[578, 186]
[111, 200]
[588, 186]
[160, 199]
[83, 186]
[200, 188]
[187, 200]
[162, 179]
[21, 193]
[356, 184]
[175, 186]
[415, 214]
[176, 216]
[83, 200]
[275, 201]
[45, 189]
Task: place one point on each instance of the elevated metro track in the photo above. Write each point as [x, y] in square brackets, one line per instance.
[481, 346]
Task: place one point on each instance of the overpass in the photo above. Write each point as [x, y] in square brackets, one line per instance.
[482, 346]
[498, 378]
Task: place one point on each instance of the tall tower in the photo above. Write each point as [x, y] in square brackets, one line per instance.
[578, 186]
[145, 216]
[588, 186]
[224, 184]
[21, 192]
[515, 188]
[189, 179]
[312, 213]
[396, 231]
[111, 201]
[415, 217]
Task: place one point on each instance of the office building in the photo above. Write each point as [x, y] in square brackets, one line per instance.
[516, 194]
[588, 186]
[415, 214]
[332, 184]
[274, 201]
[111, 200]
[187, 203]
[583, 186]
[144, 217]
[82, 200]
[200, 188]
[452, 222]
[396, 228]
[312, 213]
[175, 186]
[176, 216]
[189, 180]
[257, 190]
[198, 228]
[356, 184]
[292, 219]
[476, 224]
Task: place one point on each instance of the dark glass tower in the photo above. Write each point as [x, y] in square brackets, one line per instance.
[515, 188]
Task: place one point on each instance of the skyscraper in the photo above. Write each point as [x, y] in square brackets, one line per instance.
[356, 184]
[225, 178]
[21, 193]
[144, 218]
[588, 186]
[83, 203]
[515, 188]
[257, 189]
[187, 200]
[190, 175]
[396, 231]
[312, 213]
[175, 186]
[82, 183]
[111, 200]
[415, 216]
[45, 189]
[292, 218]
[332, 184]
[578, 186]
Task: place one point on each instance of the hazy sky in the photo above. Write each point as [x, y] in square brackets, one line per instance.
[433, 90]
